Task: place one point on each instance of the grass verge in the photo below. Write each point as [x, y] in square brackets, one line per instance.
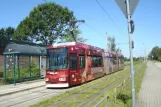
[86, 91]
[124, 98]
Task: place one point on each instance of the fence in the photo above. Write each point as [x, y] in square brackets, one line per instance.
[105, 98]
[20, 68]
[121, 86]
[119, 91]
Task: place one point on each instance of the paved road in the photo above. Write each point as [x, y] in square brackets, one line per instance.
[150, 93]
[30, 97]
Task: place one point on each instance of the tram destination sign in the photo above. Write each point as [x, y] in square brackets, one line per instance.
[57, 50]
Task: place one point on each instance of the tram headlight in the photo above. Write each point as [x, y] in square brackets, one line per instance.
[62, 79]
[46, 79]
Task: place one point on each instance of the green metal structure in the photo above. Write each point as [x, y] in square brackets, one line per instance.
[20, 62]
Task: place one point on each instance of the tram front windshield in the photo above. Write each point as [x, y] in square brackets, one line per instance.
[57, 59]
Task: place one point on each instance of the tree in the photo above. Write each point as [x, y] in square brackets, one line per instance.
[126, 59]
[67, 37]
[7, 33]
[136, 58]
[47, 23]
[118, 50]
[2, 33]
[111, 43]
[156, 53]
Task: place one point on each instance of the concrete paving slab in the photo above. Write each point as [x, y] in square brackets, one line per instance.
[150, 92]
[23, 86]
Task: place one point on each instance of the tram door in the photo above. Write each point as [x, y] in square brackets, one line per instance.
[74, 72]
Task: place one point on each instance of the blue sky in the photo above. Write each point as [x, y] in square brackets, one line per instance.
[147, 18]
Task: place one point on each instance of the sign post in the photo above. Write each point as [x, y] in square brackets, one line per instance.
[131, 55]
[128, 7]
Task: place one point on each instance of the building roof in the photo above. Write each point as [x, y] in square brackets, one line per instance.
[24, 49]
[4, 42]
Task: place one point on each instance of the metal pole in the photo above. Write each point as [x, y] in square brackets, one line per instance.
[40, 66]
[14, 73]
[30, 66]
[107, 41]
[145, 59]
[145, 54]
[131, 53]
[115, 94]
[18, 67]
[5, 82]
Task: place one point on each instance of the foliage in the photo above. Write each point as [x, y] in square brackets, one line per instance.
[136, 58]
[155, 54]
[67, 37]
[159, 58]
[33, 67]
[118, 50]
[7, 33]
[126, 59]
[112, 45]
[24, 72]
[1, 74]
[125, 96]
[48, 23]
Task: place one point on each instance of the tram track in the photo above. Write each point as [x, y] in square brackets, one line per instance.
[34, 95]
[90, 100]
[28, 97]
[76, 94]
[94, 97]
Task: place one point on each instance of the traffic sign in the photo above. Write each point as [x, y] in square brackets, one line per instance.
[132, 26]
[128, 7]
[123, 7]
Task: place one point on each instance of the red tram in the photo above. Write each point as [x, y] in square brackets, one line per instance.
[74, 63]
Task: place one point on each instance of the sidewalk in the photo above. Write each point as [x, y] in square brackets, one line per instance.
[150, 92]
[23, 86]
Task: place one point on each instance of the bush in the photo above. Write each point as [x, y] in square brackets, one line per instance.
[24, 72]
[124, 97]
[159, 58]
[1, 73]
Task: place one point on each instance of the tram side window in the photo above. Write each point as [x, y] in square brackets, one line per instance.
[73, 61]
[100, 61]
[82, 61]
[97, 61]
[114, 60]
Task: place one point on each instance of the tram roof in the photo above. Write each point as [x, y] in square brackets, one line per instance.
[77, 44]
